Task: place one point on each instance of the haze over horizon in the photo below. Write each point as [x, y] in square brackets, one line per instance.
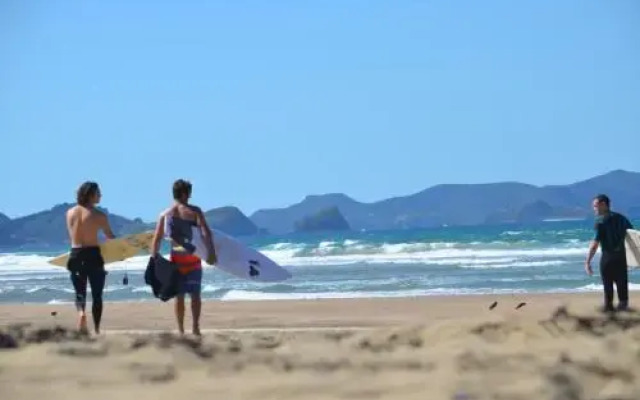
[262, 104]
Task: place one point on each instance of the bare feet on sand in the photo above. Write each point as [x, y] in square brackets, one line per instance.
[82, 324]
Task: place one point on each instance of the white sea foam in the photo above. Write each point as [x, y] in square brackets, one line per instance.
[450, 256]
[250, 295]
[513, 233]
[60, 302]
[594, 287]
[11, 263]
[13, 266]
[511, 263]
[246, 295]
[489, 255]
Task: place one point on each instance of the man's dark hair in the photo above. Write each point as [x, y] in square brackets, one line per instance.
[85, 192]
[181, 189]
[603, 198]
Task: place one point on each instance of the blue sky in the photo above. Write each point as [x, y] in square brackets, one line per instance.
[260, 103]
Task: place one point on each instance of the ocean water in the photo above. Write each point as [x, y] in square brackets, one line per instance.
[547, 257]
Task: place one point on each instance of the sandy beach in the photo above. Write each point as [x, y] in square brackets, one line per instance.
[459, 347]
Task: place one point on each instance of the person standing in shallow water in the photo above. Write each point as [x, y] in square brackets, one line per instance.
[610, 230]
[85, 260]
[180, 218]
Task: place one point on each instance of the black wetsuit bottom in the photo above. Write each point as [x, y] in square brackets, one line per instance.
[613, 269]
[86, 263]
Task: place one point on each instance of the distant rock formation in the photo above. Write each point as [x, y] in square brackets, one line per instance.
[328, 219]
[535, 212]
[231, 221]
[4, 219]
[281, 221]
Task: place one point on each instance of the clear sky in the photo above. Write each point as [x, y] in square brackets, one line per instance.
[260, 103]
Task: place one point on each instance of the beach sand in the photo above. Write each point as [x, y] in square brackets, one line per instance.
[553, 347]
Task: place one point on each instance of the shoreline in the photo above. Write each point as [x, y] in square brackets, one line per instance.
[518, 292]
[356, 312]
[365, 296]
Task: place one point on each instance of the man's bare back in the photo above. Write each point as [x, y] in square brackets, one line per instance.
[189, 212]
[183, 211]
[84, 223]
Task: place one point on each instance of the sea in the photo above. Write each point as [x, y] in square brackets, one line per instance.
[545, 257]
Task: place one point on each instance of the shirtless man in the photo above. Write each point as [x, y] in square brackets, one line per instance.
[85, 260]
[181, 216]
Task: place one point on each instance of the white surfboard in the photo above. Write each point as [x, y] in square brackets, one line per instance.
[236, 258]
[632, 247]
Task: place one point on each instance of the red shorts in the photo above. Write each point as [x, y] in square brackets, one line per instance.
[186, 262]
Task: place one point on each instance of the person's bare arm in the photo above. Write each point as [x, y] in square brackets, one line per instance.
[157, 236]
[593, 248]
[106, 227]
[69, 217]
[207, 235]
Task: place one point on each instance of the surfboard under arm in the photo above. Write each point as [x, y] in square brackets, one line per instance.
[117, 249]
[632, 248]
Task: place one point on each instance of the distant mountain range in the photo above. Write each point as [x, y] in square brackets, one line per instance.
[441, 205]
[466, 204]
[47, 228]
